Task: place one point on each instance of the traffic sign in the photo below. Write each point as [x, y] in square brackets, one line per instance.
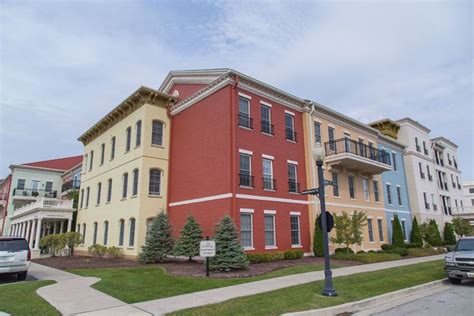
[329, 222]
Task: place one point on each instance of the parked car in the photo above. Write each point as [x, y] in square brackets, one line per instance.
[459, 264]
[15, 256]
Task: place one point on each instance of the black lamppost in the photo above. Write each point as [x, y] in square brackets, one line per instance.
[318, 155]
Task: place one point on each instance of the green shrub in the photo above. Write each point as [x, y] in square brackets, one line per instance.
[265, 257]
[97, 250]
[293, 254]
[114, 252]
[299, 254]
[189, 239]
[398, 241]
[54, 243]
[415, 234]
[422, 252]
[448, 235]
[400, 251]
[159, 242]
[433, 235]
[414, 245]
[386, 247]
[361, 251]
[372, 251]
[278, 256]
[344, 250]
[318, 240]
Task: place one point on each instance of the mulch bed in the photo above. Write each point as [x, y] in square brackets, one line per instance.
[182, 268]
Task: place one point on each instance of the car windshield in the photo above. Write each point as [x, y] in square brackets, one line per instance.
[465, 245]
[13, 245]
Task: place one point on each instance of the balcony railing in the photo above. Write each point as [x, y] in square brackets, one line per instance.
[293, 186]
[246, 180]
[34, 193]
[345, 145]
[245, 121]
[44, 203]
[290, 134]
[267, 128]
[269, 183]
[71, 185]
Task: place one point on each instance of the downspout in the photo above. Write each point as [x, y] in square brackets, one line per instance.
[168, 110]
[233, 150]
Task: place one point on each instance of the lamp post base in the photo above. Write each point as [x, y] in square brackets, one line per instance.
[330, 293]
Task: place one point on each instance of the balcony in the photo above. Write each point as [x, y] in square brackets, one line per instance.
[290, 134]
[269, 183]
[44, 204]
[246, 180]
[293, 187]
[33, 194]
[356, 156]
[245, 121]
[71, 185]
[267, 128]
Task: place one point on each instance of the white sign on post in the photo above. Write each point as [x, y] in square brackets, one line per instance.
[207, 248]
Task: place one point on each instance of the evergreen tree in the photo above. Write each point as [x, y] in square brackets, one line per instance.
[159, 242]
[448, 234]
[398, 241]
[318, 240]
[229, 253]
[189, 239]
[434, 237]
[415, 235]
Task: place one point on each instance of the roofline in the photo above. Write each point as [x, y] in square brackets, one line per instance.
[169, 79]
[416, 123]
[70, 169]
[35, 167]
[444, 139]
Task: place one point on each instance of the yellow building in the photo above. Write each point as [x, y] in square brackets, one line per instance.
[124, 174]
[354, 164]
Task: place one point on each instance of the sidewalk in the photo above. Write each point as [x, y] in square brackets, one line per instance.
[175, 303]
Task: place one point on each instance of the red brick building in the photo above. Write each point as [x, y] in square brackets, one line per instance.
[237, 149]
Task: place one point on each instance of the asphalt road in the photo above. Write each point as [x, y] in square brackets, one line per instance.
[457, 300]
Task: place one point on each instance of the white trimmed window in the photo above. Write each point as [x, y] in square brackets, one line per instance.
[365, 185]
[157, 133]
[102, 154]
[270, 238]
[106, 232]
[268, 182]
[389, 193]
[245, 173]
[94, 240]
[138, 136]
[131, 237]
[112, 148]
[404, 230]
[246, 230]
[370, 229]
[335, 184]
[154, 187]
[376, 190]
[121, 232]
[135, 182]
[109, 190]
[99, 191]
[128, 138]
[124, 185]
[351, 187]
[295, 230]
[399, 195]
[380, 228]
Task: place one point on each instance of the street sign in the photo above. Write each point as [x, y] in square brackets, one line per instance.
[329, 222]
[310, 192]
[207, 248]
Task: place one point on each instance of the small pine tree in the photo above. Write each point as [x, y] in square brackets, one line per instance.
[189, 239]
[434, 237]
[398, 241]
[448, 234]
[229, 253]
[318, 240]
[159, 242]
[415, 235]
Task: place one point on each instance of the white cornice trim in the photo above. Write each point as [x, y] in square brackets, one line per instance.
[271, 199]
[247, 152]
[274, 98]
[203, 199]
[246, 96]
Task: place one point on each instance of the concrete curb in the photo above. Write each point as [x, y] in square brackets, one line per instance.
[378, 303]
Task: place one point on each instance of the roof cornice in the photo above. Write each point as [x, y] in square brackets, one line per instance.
[141, 96]
[415, 123]
[201, 76]
[12, 167]
[444, 140]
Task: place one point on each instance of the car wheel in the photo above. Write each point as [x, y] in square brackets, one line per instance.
[455, 280]
[21, 276]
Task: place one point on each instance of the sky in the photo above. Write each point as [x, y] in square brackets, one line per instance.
[65, 64]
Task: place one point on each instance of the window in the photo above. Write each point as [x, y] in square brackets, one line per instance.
[94, 239]
[20, 184]
[149, 224]
[106, 232]
[380, 229]
[471, 190]
[128, 138]
[91, 161]
[293, 185]
[88, 191]
[82, 198]
[399, 195]
[109, 190]
[435, 206]
[332, 143]
[295, 230]
[154, 182]
[35, 185]
[417, 145]
[365, 185]
[245, 173]
[83, 233]
[335, 184]
[388, 187]
[138, 136]
[102, 153]
[268, 182]
[246, 230]
[449, 159]
[135, 182]
[404, 230]
[425, 150]
[427, 206]
[48, 187]
[99, 189]
[371, 150]
[131, 238]
[347, 142]
[124, 185]
[370, 228]
[452, 181]
[244, 113]
[351, 187]
[290, 127]
[157, 133]
[112, 148]
[266, 120]
[394, 158]
[362, 148]
[422, 174]
[317, 132]
[428, 172]
[86, 161]
[121, 232]
[269, 230]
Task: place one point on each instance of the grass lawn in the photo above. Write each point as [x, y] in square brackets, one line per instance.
[133, 285]
[21, 299]
[307, 296]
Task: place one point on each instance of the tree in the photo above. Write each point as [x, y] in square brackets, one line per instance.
[72, 239]
[398, 240]
[159, 242]
[229, 252]
[349, 229]
[318, 240]
[448, 234]
[189, 239]
[461, 226]
[415, 235]
[434, 237]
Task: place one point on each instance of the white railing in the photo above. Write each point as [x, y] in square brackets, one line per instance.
[44, 203]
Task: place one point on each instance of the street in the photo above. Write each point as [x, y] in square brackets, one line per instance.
[456, 300]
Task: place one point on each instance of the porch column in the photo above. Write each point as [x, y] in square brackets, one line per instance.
[12, 230]
[61, 230]
[69, 223]
[44, 230]
[38, 230]
[25, 224]
[15, 230]
[28, 226]
[33, 233]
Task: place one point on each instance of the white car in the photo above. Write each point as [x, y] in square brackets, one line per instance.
[15, 256]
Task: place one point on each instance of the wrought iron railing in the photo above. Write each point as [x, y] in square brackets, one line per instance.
[267, 128]
[293, 186]
[269, 183]
[245, 121]
[346, 145]
[290, 134]
[71, 185]
[246, 180]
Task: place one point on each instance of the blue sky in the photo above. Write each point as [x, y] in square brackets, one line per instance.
[65, 64]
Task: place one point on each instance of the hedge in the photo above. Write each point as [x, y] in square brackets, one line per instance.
[368, 257]
[265, 257]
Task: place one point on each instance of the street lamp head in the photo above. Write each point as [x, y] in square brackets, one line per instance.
[319, 153]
